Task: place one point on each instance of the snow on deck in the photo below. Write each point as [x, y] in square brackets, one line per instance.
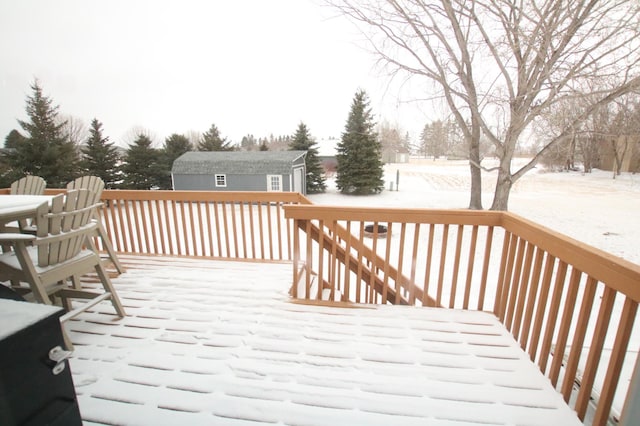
[212, 342]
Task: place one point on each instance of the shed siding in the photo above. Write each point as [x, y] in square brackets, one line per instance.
[234, 183]
[244, 171]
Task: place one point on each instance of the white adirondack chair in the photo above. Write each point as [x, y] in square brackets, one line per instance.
[60, 249]
[96, 185]
[28, 185]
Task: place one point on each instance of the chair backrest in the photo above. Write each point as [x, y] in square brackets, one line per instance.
[92, 183]
[28, 185]
[63, 226]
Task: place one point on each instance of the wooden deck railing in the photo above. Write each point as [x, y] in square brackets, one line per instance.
[571, 307]
[226, 225]
[414, 263]
[243, 225]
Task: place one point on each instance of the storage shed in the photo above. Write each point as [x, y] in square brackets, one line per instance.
[240, 171]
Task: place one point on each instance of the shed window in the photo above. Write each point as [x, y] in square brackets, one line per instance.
[274, 183]
[221, 180]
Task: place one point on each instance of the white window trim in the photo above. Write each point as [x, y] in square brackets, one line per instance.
[269, 187]
[224, 178]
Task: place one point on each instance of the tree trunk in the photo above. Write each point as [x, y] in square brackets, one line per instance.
[503, 187]
[619, 146]
[572, 154]
[475, 197]
[475, 200]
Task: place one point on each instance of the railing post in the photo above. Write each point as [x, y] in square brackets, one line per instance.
[296, 258]
[631, 408]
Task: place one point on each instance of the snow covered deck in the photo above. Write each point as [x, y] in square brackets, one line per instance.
[213, 342]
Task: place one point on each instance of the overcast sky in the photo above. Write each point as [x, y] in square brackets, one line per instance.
[249, 66]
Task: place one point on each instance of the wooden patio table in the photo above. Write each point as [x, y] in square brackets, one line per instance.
[16, 207]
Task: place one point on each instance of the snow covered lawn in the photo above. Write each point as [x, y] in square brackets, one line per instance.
[592, 208]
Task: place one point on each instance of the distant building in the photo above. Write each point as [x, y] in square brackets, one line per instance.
[327, 151]
[395, 155]
[240, 171]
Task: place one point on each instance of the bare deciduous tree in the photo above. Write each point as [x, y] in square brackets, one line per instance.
[134, 133]
[619, 148]
[75, 129]
[507, 59]
[194, 136]
[608, 133]
[622, 131]
[435, 139]
[562, 155]
[391, 141]
[591, 136]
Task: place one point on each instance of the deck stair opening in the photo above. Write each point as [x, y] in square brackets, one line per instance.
[363, 267]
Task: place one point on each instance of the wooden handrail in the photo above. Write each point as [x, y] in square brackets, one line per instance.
[618, 273]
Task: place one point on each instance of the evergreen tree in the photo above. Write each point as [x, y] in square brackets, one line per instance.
[100, 157]
[359, 169]
[13, 139]
[248, 143]
[212, 141]
[44, 151]
[302, 141]
[174, 146]
[142, 165]
[7, 173]
[264, 146]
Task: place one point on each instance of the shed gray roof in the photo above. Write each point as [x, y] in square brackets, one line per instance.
[236, 162]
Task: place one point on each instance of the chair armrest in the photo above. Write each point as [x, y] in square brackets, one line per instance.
[14, 237]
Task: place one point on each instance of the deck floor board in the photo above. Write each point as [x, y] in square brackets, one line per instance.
[214, 342]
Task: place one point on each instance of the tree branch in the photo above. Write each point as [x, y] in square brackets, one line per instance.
[481, 167]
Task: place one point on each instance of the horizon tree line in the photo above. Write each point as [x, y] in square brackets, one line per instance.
[47, 139]
[50, 146]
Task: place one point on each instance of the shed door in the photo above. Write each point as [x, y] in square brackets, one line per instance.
[297, 180]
